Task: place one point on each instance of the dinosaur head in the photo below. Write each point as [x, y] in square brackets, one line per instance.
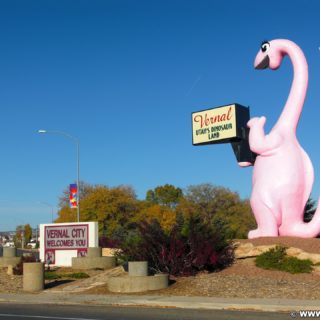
[270, 55]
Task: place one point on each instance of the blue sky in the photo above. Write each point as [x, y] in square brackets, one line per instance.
[123, 77]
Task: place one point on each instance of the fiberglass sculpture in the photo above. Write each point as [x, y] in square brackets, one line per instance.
[283, 173]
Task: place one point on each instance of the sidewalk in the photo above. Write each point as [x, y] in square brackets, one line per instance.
[271, 305]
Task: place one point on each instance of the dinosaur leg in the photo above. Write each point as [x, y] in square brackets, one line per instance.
[292, 217]
[266, 221]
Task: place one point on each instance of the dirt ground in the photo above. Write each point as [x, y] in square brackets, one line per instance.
[242, 280]
[13, 283]
[309, 245]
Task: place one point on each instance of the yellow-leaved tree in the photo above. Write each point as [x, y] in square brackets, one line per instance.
[113, 208]
[164, 215]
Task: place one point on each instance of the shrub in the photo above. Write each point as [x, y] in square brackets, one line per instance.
[191, 246]
[277, 259]
[105, 242]
[18, 269]
[77, 275]
[52, 275]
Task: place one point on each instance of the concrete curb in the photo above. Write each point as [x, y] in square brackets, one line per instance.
[209, 303]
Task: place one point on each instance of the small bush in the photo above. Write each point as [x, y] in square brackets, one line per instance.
[105, 242]
[77, 275]
[50, 275]
[18, 269]
[191, 246]
[277, 259]
[295, 265]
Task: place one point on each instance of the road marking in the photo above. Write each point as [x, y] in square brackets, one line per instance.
[40, 317]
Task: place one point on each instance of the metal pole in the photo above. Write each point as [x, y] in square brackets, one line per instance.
[78, 181]
[78, 161]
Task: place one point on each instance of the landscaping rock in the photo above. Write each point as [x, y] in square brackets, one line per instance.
[302, 255]
[248, 250]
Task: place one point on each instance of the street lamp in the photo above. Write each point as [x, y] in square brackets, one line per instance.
[78, 161]
[49, 205]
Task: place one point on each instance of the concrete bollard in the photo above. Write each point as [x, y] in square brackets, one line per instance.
[138, 268]
[160, 281]
[9, 252]
[86, 263]
[9, 257]
[94, 252]
[129, 284]
[33, 276]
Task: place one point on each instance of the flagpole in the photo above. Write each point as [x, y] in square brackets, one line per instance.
[78, 182]
[78, 162]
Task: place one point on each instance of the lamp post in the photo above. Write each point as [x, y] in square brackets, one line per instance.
[49, 205]
[78, 161]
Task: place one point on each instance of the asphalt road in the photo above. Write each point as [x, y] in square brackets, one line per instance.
[76, 312]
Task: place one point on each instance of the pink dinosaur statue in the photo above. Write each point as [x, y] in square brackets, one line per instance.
[283, 173]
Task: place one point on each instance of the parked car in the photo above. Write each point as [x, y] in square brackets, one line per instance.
[32, 244]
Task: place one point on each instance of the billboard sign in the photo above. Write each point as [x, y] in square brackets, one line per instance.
[222, 125]
[60, 242]
[65, 237]
[214, 125]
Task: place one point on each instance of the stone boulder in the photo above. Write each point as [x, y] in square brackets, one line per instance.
[248, 250]
[300, 254]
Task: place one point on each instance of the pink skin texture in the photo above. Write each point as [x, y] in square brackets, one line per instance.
[283, 173]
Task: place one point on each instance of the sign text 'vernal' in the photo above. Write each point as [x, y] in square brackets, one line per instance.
[214, 125]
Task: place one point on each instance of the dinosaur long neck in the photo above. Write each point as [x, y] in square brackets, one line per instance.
[289, 118]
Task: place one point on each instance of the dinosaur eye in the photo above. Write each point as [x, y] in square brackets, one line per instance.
[265, 46]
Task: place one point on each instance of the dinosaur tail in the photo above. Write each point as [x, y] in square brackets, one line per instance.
[305, 229]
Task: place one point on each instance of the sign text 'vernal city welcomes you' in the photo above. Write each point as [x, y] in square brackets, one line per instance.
[66, 237]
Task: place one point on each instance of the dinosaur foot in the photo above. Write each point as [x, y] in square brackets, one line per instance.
[245, 164]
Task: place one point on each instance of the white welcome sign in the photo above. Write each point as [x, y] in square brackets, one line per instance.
[60, 242]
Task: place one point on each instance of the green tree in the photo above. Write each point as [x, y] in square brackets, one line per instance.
[220, 206]
[167, 195]
[17, 239]
[27, 233]
[207, 200]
